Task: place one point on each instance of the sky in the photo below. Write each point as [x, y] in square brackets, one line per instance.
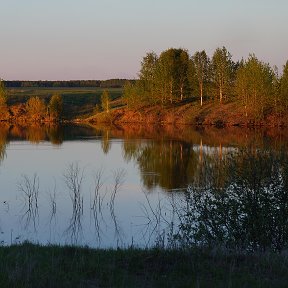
[104, 39]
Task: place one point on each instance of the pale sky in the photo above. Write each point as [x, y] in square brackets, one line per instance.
[104, 39]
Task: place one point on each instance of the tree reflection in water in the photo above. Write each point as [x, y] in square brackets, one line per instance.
[33, 133]
[171, 164]
[73, 178]
[237, 197]
[4, 130]
[29, 189]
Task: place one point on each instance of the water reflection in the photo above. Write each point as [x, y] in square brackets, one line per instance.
[4, 130]
[105, 142]
[166, 156]
[237, 188]
[34, 133]
[29, 190]
[171, 158]
[96, 204]
[118, 180]
[73, 178]
[168, 164]
[53, 212]
[55, 134]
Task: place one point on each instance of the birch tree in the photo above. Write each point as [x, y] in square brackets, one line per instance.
[56, 106]
[3, 94]
[284, 86]
[201, 63]
[222, 72]
[105, 101]
[147, 73]
[171, 74]
[254, 85]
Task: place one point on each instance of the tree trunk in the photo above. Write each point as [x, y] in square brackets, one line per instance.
[221, 93]
[201, 93]
[171, 92]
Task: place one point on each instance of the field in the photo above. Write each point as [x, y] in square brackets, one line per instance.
[78, 102]
[31, 266]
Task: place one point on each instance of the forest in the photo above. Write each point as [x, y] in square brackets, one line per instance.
[174, 76]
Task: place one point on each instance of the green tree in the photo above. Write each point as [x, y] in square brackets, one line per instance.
[222, 72]
[284, 86]
[254, 85]
[3, 100]
[56, 106]
[164, 77]
[36, 108]
[181, 71]
[201, 63]
[133, 94]
[171, 75]
[105, 101]
[147, 74]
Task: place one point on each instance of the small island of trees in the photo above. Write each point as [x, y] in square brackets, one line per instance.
[174, 76]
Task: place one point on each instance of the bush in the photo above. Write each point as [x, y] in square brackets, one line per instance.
[56, 106]
[36, 108]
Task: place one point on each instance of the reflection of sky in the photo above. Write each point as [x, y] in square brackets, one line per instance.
[50, 163]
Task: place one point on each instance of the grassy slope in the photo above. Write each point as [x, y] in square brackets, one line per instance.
[189, 112]
[35, 266]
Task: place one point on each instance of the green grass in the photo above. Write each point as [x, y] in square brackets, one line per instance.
[30, 265]
[78, 102]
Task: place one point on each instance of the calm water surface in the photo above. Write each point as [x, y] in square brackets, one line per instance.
[127, 182]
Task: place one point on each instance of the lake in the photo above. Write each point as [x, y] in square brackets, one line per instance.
[136, 186]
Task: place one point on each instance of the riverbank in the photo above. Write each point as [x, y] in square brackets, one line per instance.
[83, 105]
[29, 265]
[190, 113]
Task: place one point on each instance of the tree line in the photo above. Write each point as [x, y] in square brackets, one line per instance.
[110, 83]
[174, 75]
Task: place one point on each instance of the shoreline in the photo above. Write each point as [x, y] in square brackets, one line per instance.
[210, 114]
[188, 113]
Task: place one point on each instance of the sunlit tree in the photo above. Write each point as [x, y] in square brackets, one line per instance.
[222, 72]
[36, 108]
[201, 63]
[171, 75]
[254, 85]
[181, 72]
[3, 100]
[105, 101]
[133, 94]
[164, 77]
[56, 106]
[284, 86]
[147, 74]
